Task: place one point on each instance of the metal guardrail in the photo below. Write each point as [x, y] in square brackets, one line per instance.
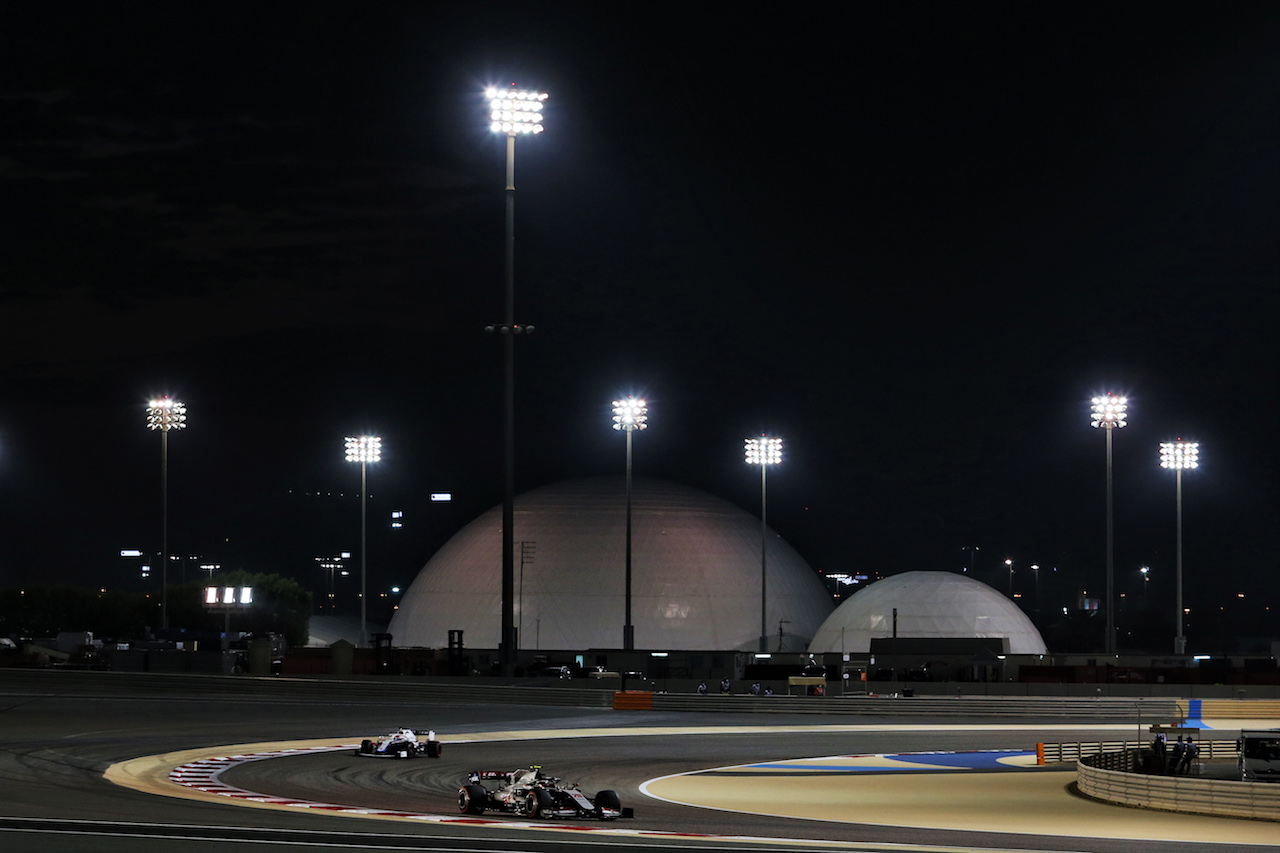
[1056, 753]
[927, 706]
[1103, 777]
[413, 690]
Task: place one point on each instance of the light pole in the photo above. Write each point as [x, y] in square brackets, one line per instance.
[1009, 563]
[165, 414]
[972, 549]
[1178, 455]
[1108, 414]
[1035, 572]
[364, 449]
[515, 112]
[763, 452]
[629, 415]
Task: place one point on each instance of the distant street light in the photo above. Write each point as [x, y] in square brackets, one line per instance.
[364, 449]
[629, 415]
[1146, 577]
[763, 452]
[1108, 414]
[1035, 570]
[1178, 455]
[514, 112]
[1009, 563]
[972, 549]
[165, 414]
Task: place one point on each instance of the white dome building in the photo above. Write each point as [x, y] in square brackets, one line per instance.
[940, 605]
[695, 565]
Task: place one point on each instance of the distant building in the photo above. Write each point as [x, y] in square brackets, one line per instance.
[930, 605]
[695, 575]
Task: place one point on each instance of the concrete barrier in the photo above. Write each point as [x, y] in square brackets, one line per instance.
[1109, 777]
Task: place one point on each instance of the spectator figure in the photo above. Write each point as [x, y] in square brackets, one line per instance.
[724, 686]
[702, 689]
[1179, 750]
[1160, 751]
[768, 691]
[755, 689]
[1189, 756]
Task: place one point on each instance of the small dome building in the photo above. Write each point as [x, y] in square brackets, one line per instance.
[695, 564]
[939, 605]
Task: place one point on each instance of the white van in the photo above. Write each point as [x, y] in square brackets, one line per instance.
[1259, 755]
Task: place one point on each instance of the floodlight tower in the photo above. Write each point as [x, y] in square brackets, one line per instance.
[364, 449]
[1109, 414]
[1178, 455]
[629, 415]
[515, 112]
[763, 452]
[165, 414]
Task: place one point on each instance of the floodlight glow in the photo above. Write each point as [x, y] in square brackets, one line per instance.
[166, 414]
[515, 111]
[130, 552]
[763, 451]
[364, 448]
[1178, 455]
[211, 595]
[630, 414]
[1108, 411]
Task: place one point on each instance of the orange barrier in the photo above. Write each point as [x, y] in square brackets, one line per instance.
[632, 700]
[1040, 754]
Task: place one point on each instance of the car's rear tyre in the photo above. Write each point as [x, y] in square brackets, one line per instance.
[434, 748]
[538, 803]
[607, 800]
[472, 799]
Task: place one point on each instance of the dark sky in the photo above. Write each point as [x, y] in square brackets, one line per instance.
[912, 243]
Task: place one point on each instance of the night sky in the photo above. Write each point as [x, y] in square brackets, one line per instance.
[913, 243]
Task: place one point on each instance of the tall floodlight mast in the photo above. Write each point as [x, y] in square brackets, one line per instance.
[165, 414]
[1109, 414]
[1179, 455]
[515, 112]
[364, 449]
[763, 452]
[629, 415]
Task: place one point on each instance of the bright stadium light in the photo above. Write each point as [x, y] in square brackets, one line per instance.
[363, 449]
[165, 414]
[763, 452]
[629, 415]
[1108, 413]
[515, 111]
[1179, 455]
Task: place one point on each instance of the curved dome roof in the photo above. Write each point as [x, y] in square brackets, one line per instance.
[695, 565]
[930, 604]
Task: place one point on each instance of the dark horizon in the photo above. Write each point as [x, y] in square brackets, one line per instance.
[913, 249]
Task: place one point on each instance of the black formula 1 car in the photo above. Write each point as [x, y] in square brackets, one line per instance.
[402, 743]
[531, 793]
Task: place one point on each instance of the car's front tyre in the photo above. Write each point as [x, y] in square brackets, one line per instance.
[608, 806]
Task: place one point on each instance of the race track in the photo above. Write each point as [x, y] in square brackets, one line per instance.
[63, 731]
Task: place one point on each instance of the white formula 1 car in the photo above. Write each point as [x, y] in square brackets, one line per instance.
[530, 793]
[402, 743]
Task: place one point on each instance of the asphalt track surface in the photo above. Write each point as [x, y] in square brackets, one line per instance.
[59, 736]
